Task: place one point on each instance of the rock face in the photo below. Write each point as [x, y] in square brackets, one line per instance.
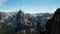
[53, 25]
[20, 20]
[25, 23]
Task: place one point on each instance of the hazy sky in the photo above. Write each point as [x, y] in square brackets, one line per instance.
[30, 6]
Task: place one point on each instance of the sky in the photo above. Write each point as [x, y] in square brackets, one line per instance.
[30, 6]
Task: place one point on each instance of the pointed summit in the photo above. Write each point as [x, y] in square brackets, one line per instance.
[20, 14]
[20, 11]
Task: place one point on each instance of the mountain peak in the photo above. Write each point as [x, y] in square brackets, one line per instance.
[20, 11]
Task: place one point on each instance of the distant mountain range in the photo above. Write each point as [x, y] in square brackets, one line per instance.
[22, 21]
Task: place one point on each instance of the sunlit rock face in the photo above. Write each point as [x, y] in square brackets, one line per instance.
[2, 16]
[5, 15]
[25, 22]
